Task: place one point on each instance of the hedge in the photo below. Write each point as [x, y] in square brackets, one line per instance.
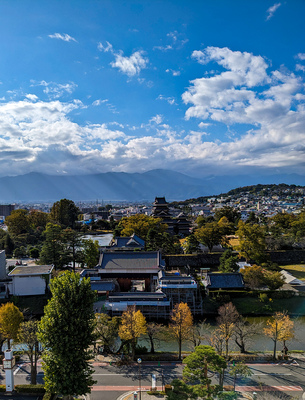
[2, 388]
[30, 389]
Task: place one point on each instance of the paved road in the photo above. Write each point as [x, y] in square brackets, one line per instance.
[113, 380]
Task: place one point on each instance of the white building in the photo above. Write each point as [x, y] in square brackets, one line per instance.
[29, 280]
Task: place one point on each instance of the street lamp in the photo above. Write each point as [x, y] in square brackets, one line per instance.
[139, 362]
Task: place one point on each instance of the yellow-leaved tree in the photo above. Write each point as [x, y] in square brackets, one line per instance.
[181, 324]
[133, 325]
[140, 224]
[10, 320]
[279, 328]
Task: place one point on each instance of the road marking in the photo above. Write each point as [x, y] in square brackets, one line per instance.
[18, 368]
[272, 373]
[269, 388]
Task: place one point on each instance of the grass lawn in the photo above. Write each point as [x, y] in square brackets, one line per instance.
[252, 305]
[296, 270]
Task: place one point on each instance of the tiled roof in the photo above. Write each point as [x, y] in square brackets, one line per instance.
[130, 260]
[101, 286]
[225, 281]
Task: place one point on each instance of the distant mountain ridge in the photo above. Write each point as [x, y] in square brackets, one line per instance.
[37, 187]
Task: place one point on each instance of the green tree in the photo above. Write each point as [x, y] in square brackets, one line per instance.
[232, 214]
[91, 252]
[10, 320]
[191, 245]
[252, 243]
[273, 279]
[210, 235]
[66, 332]
[253, 276]
[181, 322]
[17, 222]
[156, 240]
[37, 219]
[133, 325]
[53, 251]
[241, 369]
[72, 242]
[228, 262]
[200, 366]
[6, 242]
[140, 224]
[106, 331]
[65, 213]
[28, 336]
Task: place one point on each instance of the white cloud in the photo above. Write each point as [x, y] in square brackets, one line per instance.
[130, 65]
[55, 90]
[203, 125]
[170, 100]
[300, 67]
[157, 119]
[63, 36]
[173, 72]
[31, 97]
[271, 10]
[106, 48]
[97, 102]
[163, 48]
[301, 56]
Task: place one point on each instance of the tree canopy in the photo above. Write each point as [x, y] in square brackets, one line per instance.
[140, 224]
[133, 325]
[252, 243]
[10, 320]
[66, 332]
[181, 322]
[65, 213]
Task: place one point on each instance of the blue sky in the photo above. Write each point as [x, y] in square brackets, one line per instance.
[202, 87]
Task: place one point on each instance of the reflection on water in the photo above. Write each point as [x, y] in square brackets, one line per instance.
[258, 343]
[103, 240]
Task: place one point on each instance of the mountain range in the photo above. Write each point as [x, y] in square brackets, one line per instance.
[120, 186]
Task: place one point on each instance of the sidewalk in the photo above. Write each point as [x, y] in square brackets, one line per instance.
[146, 396]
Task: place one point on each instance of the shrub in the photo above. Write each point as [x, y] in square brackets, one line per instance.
[30, 389]
[227, 396]
[48, 396]
[263, 297]
[141, 349]
[2, 388]
[167, 388]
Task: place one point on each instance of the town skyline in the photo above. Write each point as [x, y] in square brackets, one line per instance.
[207, 88]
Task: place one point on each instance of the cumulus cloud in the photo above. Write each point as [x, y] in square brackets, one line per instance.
[130, 65]
[62, 36]
[301, 56]
[262, 111]
[271, 10]
[31, 97]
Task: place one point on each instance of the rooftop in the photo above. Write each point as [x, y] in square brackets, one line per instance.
[32, 270]
[133, 260]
